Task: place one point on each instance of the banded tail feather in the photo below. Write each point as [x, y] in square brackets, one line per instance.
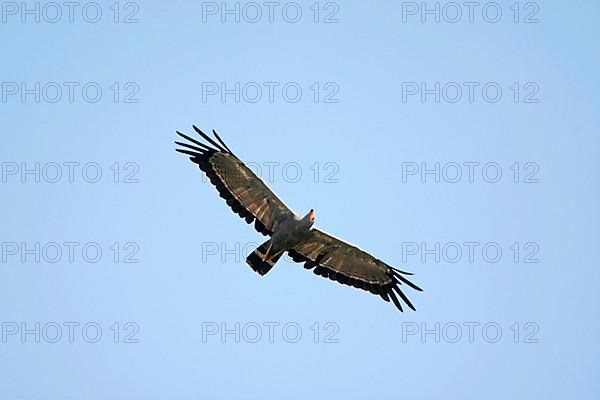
[256, 259]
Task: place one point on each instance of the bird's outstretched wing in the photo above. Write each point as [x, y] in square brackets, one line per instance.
[337, 260]
[245, 193]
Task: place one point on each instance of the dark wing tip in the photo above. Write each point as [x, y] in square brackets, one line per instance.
[188, 152]
[189, 146]
[221, 141]
[401, 272]
[397, 275]
[395, 300]
[201, 146]
[402, 279]
[403, 297]
[209, 139]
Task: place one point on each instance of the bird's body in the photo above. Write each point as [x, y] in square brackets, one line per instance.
[292, 231]
[251, 199]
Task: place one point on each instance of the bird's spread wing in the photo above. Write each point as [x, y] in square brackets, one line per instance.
[337, 260]
[245, 193]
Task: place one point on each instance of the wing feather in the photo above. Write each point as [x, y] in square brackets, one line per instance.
[221, 140]
[209, 139]
[244, 192]
[347, 264]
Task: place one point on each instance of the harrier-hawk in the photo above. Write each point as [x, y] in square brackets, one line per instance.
[251, 199]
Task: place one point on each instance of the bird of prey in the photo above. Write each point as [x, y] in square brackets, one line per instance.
[249, 197]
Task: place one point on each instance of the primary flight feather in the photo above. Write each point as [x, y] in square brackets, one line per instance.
[251, 199]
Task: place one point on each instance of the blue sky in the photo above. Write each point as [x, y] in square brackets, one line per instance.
[140, 290]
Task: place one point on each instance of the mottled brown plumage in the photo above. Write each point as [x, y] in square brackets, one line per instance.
[251, 199]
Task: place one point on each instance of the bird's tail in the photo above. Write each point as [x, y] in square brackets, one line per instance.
[256, 259]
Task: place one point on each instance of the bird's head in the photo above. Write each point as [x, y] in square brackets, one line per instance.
[310, 217]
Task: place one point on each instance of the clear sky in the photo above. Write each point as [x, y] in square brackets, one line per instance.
[464, 150]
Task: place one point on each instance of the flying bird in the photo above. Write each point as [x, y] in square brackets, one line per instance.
[249, 197]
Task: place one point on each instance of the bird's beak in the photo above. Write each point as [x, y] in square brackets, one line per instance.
[312, 216]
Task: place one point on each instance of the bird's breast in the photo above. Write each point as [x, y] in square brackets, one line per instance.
[289, 234]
